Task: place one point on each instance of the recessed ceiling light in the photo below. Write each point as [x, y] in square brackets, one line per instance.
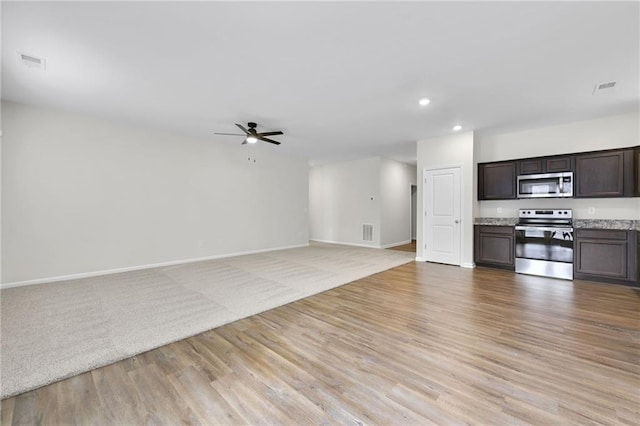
[457, 127]
[424, 101]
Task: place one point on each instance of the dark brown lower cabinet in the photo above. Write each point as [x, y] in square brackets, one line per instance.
[606, 255]
[494, 246]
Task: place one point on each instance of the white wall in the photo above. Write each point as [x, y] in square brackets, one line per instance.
[450, 151]
[1, 138]
[603, 133]
[395, 202]
[81, 195]
[592, 135]
[340, 201]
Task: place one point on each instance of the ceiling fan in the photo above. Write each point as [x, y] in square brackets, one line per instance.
[251, 134]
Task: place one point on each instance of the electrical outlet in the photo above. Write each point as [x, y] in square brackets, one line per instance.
[591, 210]
[499, 209]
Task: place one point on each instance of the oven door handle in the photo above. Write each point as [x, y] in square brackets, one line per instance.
[542, 228]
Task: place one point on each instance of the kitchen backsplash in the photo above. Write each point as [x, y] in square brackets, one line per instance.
[591, 208]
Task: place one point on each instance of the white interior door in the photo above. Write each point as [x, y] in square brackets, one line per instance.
[442, 194]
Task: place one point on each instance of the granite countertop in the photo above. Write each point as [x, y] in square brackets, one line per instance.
[498, 221]
[620, 224]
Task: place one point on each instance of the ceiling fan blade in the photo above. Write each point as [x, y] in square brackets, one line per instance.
[230, 134]
[242, 128]
[271, 133]
[269, 140]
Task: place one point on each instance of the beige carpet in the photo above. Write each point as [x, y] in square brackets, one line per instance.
[57, 330]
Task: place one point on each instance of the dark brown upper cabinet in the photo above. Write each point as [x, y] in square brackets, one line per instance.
[497, 181]
[605, 174]
[559, 164]
[599, 174]
[532, 166]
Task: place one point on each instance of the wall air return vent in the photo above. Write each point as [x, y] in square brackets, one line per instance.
[603, 86]
[31, 61]
[367, 232]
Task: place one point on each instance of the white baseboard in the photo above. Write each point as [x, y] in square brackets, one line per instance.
[401, 243]
[136, 268]
[420, 259]
[345, 244]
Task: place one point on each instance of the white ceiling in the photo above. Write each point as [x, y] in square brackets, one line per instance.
[342, 80]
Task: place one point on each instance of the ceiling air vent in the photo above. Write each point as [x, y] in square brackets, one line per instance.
[602, 86]
[31, 61]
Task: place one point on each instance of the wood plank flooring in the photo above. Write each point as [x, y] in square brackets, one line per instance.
[419, 344]
[410, 247]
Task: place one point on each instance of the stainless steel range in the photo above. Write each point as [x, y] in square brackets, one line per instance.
[544, 243]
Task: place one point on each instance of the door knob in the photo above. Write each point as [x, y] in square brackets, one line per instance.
[456, 221]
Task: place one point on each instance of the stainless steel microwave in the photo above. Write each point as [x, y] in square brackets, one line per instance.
[548, 185]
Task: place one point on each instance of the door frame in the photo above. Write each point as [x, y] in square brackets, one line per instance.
[411, 212]
[423, 215]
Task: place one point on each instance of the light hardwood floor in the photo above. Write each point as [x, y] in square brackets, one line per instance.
[419, 344]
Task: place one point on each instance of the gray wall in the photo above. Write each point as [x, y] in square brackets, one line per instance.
[395, 201]
[344, 196]
[81, 195]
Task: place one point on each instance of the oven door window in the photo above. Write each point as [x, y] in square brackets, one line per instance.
[552, 245]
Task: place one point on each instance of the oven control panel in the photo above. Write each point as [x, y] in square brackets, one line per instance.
[548, 214]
